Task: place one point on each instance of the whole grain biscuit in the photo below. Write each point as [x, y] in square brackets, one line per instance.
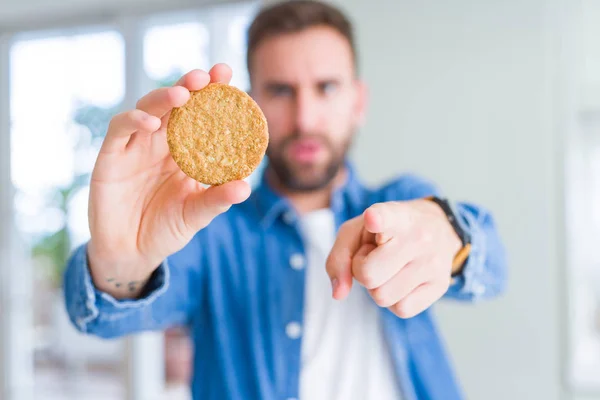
[219, 135]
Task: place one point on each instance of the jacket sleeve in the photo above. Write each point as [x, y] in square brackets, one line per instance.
[485, 272]
[171, 295]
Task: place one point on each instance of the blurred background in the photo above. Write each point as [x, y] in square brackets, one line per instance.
[496, 101]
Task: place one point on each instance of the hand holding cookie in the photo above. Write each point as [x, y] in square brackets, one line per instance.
[143, 206]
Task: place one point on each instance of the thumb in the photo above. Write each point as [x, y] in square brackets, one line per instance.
[384, 220]
[374, 218]
[201, 207]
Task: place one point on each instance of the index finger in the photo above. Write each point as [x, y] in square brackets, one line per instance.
[339, 261]
[125, 124]
[194, 80]
[161, 101]
[220, 73]
[197, 79]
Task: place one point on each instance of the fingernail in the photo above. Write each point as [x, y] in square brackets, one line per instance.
[335, 284]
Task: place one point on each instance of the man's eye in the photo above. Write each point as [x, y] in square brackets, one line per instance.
[281, 90]
[328, 87]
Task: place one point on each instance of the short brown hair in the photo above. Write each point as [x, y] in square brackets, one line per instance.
[294, 16]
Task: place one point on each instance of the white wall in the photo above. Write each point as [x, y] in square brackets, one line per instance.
[590, 66]
[468, 93]
[591, 44]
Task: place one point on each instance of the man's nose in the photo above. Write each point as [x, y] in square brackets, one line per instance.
[307, 112]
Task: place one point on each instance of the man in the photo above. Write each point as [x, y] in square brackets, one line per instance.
[311, 287]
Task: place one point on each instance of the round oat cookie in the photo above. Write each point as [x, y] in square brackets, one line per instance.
[219, 135]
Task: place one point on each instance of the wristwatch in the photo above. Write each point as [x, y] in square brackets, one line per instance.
[461, 257]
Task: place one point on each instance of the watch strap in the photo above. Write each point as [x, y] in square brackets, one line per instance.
[461, 257]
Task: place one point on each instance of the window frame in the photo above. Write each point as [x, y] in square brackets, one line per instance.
[581, 235]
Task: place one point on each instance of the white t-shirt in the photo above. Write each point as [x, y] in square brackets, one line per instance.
[344, 354]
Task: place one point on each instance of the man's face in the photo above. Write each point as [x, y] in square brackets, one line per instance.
[305, 84]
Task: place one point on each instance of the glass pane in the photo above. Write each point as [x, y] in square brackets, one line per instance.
[232, 22]
[172, 50]
[584, 293]
[64, 90]
[236, 59]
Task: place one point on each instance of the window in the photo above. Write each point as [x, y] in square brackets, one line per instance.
[584, 288]
[172, 50]
[65, 86]
[55, 136]
[583, 214]
[53, 150]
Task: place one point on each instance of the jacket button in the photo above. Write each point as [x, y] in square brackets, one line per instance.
[297, 261]
[293, 330]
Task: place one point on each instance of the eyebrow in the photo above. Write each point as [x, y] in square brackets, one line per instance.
[334, 80]
[271, 85]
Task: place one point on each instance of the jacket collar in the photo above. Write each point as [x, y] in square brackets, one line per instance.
[272, 205]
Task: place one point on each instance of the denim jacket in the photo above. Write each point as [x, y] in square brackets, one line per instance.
[237, 285]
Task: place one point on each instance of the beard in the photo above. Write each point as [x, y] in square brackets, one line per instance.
[306, 177]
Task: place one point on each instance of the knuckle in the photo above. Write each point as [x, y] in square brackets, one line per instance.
[194, 73]
[174, 95]
[438, 267]
[330, 264]
[137, 115]
[369, 282]
[403, 309]
[424, 236]
[120, 119]
[409, 215]
[334, 261]
[329, 261]
[171, 94]
[134, 115]
[380, 297]
[366, 277]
